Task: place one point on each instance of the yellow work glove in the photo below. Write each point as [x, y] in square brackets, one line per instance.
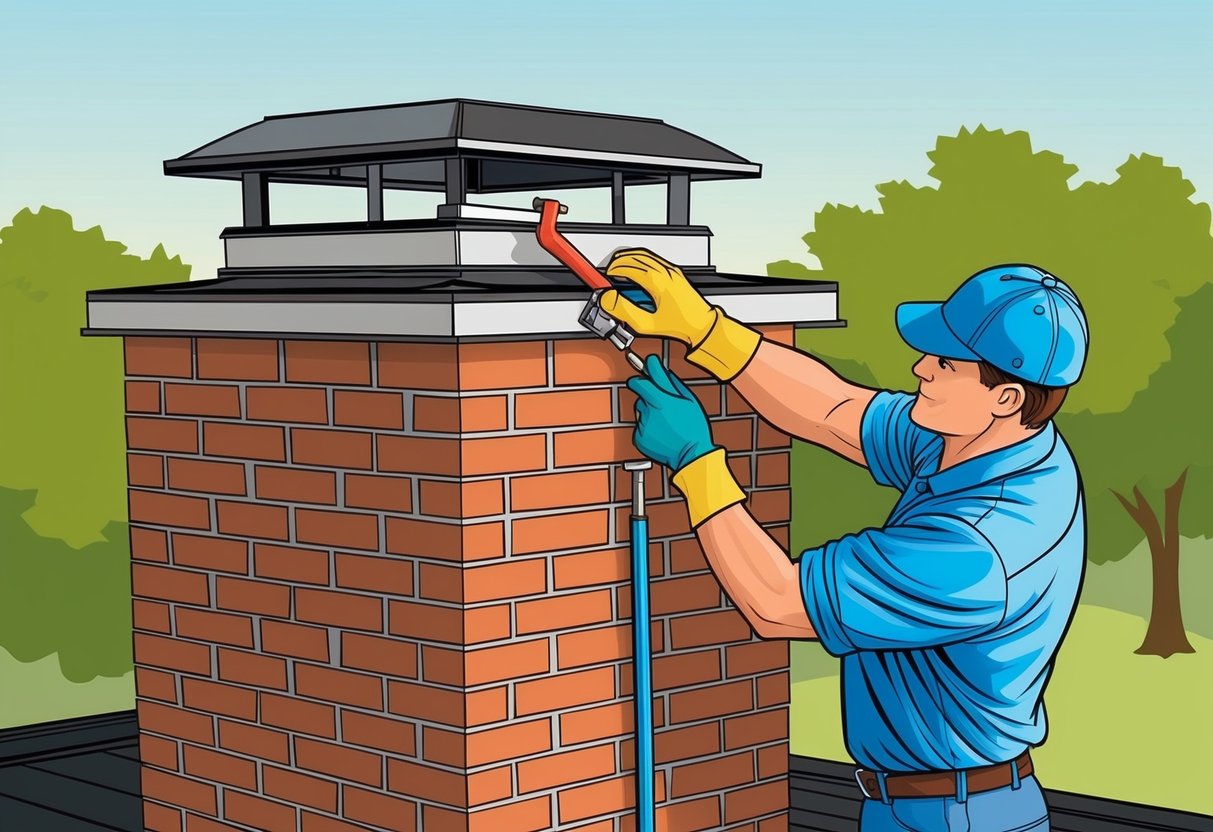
[708, 485]
[715, 342]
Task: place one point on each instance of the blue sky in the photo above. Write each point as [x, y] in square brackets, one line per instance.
[832, 98]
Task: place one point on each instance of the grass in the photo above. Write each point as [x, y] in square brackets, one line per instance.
[37, 692]
[1130, 727]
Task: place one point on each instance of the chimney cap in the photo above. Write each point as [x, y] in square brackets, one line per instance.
[512, 147]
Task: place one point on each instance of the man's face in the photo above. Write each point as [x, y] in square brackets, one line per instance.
[951, 398]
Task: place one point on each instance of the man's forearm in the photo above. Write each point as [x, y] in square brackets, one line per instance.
[756, 574]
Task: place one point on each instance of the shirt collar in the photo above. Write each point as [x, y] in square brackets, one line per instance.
[1025, 454]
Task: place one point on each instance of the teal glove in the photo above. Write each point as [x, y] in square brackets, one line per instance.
[671, 427]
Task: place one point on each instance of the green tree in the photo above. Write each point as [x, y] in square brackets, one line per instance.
[1162, 443]
[1129, 248]
[61, 429]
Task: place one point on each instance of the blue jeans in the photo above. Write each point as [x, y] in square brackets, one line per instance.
[1000, 810]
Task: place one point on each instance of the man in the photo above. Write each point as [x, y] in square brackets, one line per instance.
[947, 619]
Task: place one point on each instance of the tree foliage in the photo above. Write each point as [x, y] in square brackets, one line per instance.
[61, 429]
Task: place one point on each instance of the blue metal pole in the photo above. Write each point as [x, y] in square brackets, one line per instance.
[642, 652]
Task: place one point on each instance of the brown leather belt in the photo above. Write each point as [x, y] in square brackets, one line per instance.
[943, 783]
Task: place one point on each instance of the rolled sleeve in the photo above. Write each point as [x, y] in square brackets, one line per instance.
[891, 442]
[935, 582]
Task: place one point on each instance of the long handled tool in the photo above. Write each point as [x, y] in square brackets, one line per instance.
[642, 650]
[592, 316]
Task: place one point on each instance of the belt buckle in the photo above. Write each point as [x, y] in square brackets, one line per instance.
[859, 772]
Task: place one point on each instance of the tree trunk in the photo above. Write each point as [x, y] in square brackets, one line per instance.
[1165, 633]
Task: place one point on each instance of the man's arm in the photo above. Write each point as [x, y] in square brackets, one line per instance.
[805, 398]
[756, 574]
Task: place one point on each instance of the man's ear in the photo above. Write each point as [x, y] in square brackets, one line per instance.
[1010, 400]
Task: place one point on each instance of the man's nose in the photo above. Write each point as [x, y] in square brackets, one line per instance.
[921, 368]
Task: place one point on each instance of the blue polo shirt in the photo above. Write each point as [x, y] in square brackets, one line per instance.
[949, 617]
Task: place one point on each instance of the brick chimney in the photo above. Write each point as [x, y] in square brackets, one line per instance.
[379, 517]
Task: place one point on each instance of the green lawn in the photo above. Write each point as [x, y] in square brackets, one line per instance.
[1132, 727]
[37, 692]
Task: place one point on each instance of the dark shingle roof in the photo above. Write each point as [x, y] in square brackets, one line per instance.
[518, 147]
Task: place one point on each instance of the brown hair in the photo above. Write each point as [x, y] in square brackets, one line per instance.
[1039, 404]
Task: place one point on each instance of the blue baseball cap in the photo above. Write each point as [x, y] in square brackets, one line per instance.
[1017, 317]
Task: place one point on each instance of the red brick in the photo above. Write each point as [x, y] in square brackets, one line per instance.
[694, 592]
[169, 584]
[489, 786]
[238, 359]
[594, 446]
[259, 813]
[150, 615]
[461, 499]
[480, 413]
[332, 685]
[382, 493]
[330, 448]
[780, 535]
[773, 690]
[503, 454]
[568, 767]
[735, 403]
[576, 488]
[773, 761]
[175, 722]
[771, 506]
[756, 657]
[424, 538]
[158, 356]
[156, 684]
[755, 729]
[389, 576]
[683, 669]
[443, 747]
[287, 404]
[294, 714]
[604, 798]
[300, 789]
[509, 661]
[290, 563]
[210, 553]
[566, 691]
[339, 761]
[418, 366]
[598, 723]
[755, 800]
[252, 520]
[435, 704]
[685, 743]
[157, 751]
[262, 743]
[389, 656]
[427, 622]
[178, 436]
[296, 486]
[392, 735]
[591, 568]
[253, 596]
[712, 775]
[368, 410]
[145, 470]
[563, 611]
[442, 666]
[519, 816]
[215, 698]
[169, 510]
[516, 579]
[769, 437]
[486, 624]
[379, 810]
[149, 544]
[606, 644]
[328, 362]
[708, 628]
[561, 408]
[498, 365]
[215, 627]
[778, 823]
[295, 640]
[509, 742]
[437, 414]
[244, 441]
[417, 455]
[443, 820]
[689, 815]
[773, 469]
[160, 785]
[704, 703]
[734, 434]
[170, 653]
[426, 782]
[252, 669]
[588, 361]
[202, 400]
[337, 528]
[324, 823]
[218, 767]
[560, 531]
[210, 477]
